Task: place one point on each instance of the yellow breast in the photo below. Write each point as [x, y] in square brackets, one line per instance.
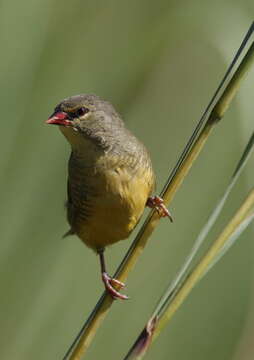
[118, 206]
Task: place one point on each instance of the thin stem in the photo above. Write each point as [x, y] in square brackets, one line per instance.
[188, 157]
[205, 262]
[173, 287]
[230, 91]
[137, 247]
[233, 229]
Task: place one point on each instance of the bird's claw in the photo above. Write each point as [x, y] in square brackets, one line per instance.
[157, 203]
[109, 282]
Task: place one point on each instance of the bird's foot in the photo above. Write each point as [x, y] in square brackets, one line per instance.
[109, 282]
[155, 202]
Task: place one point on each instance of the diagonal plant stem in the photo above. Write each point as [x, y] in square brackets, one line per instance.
[102, 307]
[231, 240]
[190, 153]
[239, 222]
[183, 273]
[243, 214]
[144, 340]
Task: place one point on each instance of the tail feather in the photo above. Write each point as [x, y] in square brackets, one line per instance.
[68, 233]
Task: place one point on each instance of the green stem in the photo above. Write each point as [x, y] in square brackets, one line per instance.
[100, 311]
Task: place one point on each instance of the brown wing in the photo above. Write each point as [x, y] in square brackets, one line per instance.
[80, 193]
[69, 207]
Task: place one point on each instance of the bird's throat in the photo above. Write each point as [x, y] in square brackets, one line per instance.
[80, 144]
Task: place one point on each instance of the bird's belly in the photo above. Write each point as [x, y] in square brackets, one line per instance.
[107, 225]
[116, 209]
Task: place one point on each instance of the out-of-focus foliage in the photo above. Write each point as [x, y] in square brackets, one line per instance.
[158, 63]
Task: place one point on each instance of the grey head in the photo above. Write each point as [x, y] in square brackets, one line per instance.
[89, 116]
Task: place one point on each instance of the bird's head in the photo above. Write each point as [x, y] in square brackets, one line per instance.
[74, 111]
[85, 115]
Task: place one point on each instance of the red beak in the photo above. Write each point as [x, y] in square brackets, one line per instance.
[59, 118]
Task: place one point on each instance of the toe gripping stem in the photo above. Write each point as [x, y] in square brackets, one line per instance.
[109, 282]
[157, 203]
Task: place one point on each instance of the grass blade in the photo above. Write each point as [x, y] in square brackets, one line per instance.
[169, 293]
[186, 160]
[228, 236]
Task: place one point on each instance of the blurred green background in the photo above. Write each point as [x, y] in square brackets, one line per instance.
[158, 62]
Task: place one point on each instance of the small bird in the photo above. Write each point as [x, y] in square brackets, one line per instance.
[110, 176]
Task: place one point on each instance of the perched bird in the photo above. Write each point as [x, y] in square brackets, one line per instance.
[110, 180]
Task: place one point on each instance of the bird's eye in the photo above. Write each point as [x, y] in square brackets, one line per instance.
[82, 111]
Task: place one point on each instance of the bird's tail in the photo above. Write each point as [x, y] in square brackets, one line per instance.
[68, 233]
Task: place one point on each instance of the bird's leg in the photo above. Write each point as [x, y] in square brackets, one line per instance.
[110, 282]
[155, 202]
